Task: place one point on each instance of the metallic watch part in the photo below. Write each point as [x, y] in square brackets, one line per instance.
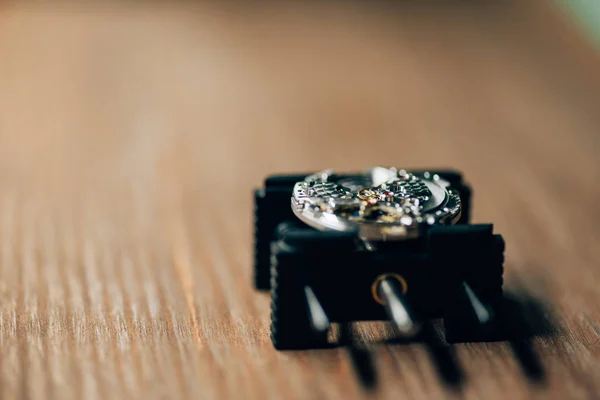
[316, 314]
[482, 313]
[381, 204]
[397, 309]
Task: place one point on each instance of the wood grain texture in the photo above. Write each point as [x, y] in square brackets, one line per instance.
[131, 137]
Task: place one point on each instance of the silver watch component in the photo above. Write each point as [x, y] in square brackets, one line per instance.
[380, 204]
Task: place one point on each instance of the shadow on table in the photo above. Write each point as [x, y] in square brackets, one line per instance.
[521, 319]
[442, 355]
[361, 357]
[524, 319]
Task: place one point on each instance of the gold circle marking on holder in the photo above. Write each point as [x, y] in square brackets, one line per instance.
[381, 277]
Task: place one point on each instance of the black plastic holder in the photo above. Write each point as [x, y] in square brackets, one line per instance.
[290, 256]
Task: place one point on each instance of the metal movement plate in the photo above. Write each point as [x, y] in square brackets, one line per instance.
[381, 204]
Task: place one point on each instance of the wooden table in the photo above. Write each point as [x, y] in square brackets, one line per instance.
[132, 135]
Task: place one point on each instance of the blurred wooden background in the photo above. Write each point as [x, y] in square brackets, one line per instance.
[132, 134]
